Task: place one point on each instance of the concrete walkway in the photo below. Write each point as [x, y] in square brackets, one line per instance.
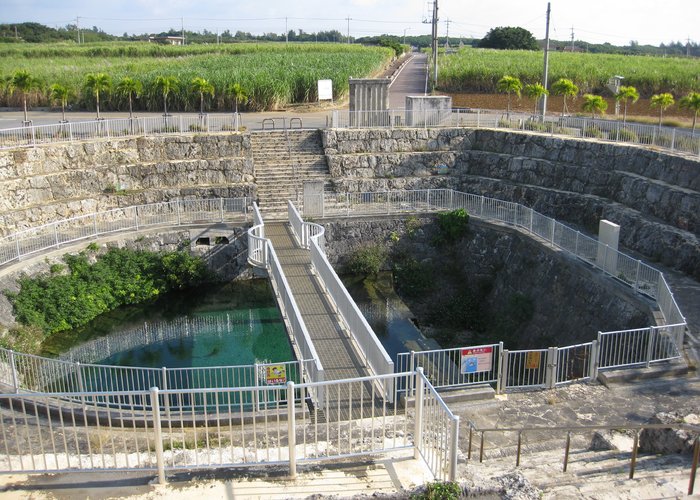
[410, 81]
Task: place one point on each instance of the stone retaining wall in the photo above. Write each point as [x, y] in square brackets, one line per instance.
[654, 196]
[56, 182]
[572, 301]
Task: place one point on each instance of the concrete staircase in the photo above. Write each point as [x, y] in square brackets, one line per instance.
[280, 175]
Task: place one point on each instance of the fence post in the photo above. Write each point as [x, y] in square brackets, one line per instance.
[94, 224]
[81, 385]
[256, 394]
[70, 131]
[694, 467]
[15, 378]
[673, 139]
[177, 210]
[291, 430]
[552, 361]
[180, 120]
[502, 381]
[636, 279]
[593, 361]
[635, 447]
[221, 208]
[136, 217]
[33, 136]
[478, 116]
[158, 435]
[650, 344]
[481, 209]
[418, 431]
[554, 225]
[55, 235]
[166, 398]
[454, 446]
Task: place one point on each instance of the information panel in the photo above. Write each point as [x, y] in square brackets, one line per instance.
[477, 359]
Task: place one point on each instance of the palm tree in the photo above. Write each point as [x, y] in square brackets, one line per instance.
[625, 94]
[691, 102]
[96, 83]
[509, 85]
[23, 82]
[130, 88]
[565, 88]
[203, 87]
[594, 103]
[535, 91]
[165, 85]
[238, 93]
[60, 93]
[662, 101]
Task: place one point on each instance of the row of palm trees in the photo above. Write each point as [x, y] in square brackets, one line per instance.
[100, 84]
[594, 103]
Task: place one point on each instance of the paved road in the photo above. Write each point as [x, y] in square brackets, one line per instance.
[410, 81]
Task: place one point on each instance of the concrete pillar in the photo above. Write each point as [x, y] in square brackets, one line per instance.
[428, 111]
[608, 240]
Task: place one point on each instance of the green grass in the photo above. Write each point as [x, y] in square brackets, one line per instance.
[274, 74]
[478, 70]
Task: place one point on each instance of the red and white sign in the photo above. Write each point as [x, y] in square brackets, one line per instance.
[477, 359]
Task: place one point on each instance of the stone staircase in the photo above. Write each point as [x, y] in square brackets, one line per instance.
[280, 175]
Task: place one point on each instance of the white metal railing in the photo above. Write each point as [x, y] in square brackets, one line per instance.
[263, 255]
[565, 364]
[456, 367]
[109, 128]
[48, 432]
[311, 236]
[672, 139]
[257, 243]
[643, 278]
[436, 434]
[38, 239]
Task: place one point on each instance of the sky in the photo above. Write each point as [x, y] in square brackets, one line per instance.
[596, 21]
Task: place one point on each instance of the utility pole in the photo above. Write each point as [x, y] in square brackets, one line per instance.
[348, 19]
[182, 20]
[687, 45]
[545, 75]
[77, 27]
[286, 31]
[573, 46]
[447, 34]
[435, 43]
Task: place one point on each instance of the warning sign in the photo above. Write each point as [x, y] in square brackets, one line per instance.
[276, 374]
[532, 361]
[477, 359]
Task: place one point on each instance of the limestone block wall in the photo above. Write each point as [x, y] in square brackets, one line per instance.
[571, 301]
[653, 195]
[55, 182]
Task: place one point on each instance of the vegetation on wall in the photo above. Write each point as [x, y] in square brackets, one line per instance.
[368, 260]
[93, 284]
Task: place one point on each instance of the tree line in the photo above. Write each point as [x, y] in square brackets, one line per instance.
[592, 103]
[500, 38]
[100, 85]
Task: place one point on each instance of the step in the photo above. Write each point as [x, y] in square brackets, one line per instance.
[473, 393]
[661, 370]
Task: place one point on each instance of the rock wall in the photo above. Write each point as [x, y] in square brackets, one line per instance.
[572, 301]
[654, 196]
[56, 182]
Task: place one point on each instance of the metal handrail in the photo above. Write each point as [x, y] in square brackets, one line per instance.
[569, 429]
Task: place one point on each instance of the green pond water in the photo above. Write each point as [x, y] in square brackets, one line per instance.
[223, 325]
[218, 325]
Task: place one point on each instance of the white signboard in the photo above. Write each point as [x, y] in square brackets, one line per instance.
[325, 90]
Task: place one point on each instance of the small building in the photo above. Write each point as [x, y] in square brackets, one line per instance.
[167, 40]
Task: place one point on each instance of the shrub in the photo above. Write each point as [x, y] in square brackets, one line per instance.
[627, 135]
[441, 491]
[412, 277]
[118, 277]
[368, 260]
[453, 225]
[593, 131]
